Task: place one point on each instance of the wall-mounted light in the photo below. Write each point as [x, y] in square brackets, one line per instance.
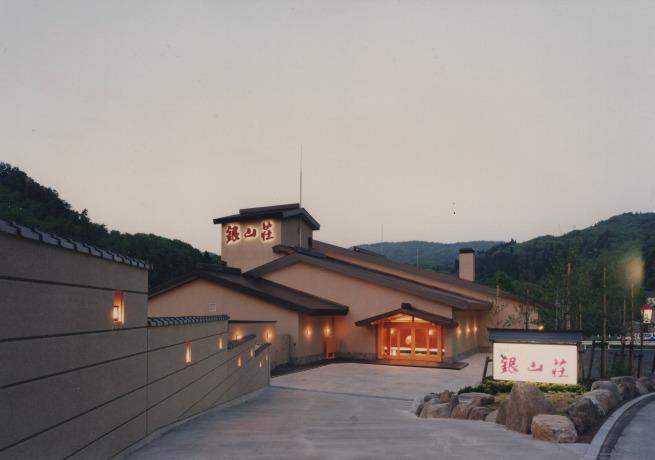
[260, 364]
[443, 350]
[187, 353]
[468, 329]
[116, 313]
[269, 335]
[475, 328]
[393, 331]
[266, 357]
[327, 331]
[239, 361]
[541, 327]
[118, 308]
[459, 331]
[237, 336]
[252, 352]
[430, 331]
[220, 343]
[308, 332]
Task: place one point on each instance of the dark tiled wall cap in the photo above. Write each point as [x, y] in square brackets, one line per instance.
[28, 233]
[178, 320]
[234, 343]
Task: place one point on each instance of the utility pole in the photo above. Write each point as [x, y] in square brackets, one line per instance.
[567, 320]
[603, 349]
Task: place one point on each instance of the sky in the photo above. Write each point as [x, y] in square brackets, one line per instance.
[441, 121]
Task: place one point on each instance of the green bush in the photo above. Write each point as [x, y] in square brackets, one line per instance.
[504, 386]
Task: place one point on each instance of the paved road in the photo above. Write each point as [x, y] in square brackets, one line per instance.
[636, 440]
[344, 418]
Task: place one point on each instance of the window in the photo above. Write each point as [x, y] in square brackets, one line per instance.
[118, 309]
[212, 308]
[187, 352]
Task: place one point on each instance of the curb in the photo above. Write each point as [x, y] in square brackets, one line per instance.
[610, 431]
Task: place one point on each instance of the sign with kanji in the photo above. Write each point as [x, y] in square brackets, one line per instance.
[535, 362]
[260, 231]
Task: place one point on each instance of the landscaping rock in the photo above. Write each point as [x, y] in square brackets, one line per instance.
[553, 428]
[604, 399]
[584, 413]
[626, 386]
[609, 386]
[492, 416]
[525, 401]
[485, 398]
[417, 405]
[463, 409]
[446, 396]
[502, 412]
[479, 413]
[640, 388]
[436, 409]
[647, 382]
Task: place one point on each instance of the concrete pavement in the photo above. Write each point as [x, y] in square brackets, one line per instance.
[635, 441]
[345, 419]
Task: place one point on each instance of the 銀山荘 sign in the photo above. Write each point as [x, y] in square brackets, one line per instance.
[262, 231]
[535, 362]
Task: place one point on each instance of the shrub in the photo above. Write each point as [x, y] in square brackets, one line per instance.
[493, 387]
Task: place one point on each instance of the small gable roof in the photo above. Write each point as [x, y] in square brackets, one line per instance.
[284, 211]
[407, 309]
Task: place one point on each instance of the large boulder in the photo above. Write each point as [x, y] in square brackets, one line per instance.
[647, 382]
[430, 396]
[609, 386]
[553, 428]
[525, 401]
[485, 398]
[446, 396]
[417, 405]
[491, 416]
[627, 386]
[604, 400]
[479, 413]
[436, 409]
[502, 412]
[640, 388]
[463, 409]
[584, 413]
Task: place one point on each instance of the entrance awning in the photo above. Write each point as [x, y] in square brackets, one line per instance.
[407, 309]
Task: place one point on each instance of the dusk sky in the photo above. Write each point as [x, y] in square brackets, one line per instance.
[442, 120]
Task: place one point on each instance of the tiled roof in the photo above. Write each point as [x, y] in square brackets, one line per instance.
[12, 228]
[157, 321]
[284, 211]
[408, 309]
[261, 288]
[372, 276]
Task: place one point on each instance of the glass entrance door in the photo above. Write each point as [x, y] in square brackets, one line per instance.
[410, 340]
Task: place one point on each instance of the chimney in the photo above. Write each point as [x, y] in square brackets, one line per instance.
[467, 264]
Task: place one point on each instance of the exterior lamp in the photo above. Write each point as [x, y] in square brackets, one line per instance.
[430, 332]
[541, 327]
[187, 353]
[393, 331]
[459, 331]
[237, 337]
[308, 332]
[475, 328]
[239, 361]
[269, 335]
[327, 331]
[468, 329]
[115, 313]
[266, 357]
[252, 352]
[260, 364]
[220, 343]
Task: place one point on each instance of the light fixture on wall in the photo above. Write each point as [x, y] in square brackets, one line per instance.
[260, 364]
[541, 327]
[118, 309]
[220, 343]
[252, 352]
[327, 331]
[459, 331]
[187, 353]
[269, 335]
[475, 328]
[239, 361]
[237, 336]
[308, 332]
[116, 314]
[266, 357]
[430, 331]
[468, 330]
[408, 340]
[393, 331]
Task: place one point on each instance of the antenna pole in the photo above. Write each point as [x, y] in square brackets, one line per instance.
[301, 175]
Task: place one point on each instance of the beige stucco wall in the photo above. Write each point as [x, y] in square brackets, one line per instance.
[194, 297]
[311, 336]
[248, 253]
[364, 300]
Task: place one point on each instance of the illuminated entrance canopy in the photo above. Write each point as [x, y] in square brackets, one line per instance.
[535, 356]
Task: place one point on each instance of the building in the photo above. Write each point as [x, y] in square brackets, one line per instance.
[348, 303]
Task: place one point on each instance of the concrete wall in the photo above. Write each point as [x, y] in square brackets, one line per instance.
[265, 332]
[311, 337]
[74, 383]
[364, 299]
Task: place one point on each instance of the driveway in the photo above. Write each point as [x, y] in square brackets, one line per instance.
[363, 414]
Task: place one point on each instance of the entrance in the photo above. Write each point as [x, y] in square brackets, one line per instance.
[409, 338]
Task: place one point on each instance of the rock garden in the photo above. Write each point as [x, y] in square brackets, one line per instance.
[556, 413]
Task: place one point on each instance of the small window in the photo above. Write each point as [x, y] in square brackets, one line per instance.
[212, 308]
[187, 352]
[118, 309]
